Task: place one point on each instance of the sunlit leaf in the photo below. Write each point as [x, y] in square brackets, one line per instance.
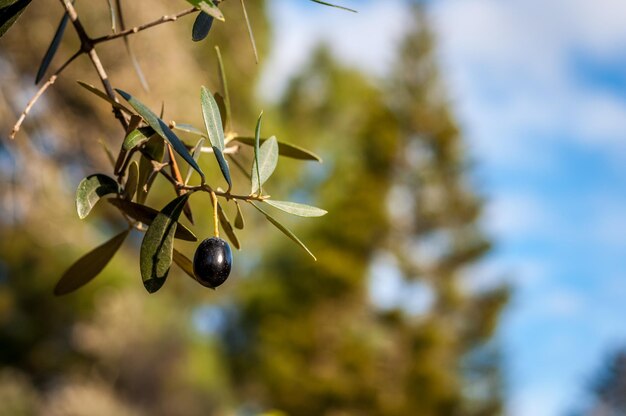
[223, 166]
[255, 164]
[89, 266]
[195, 153]
[9, 12]
[220, 65]
[184, 263]
[146, 215]
[208, 7]
[227, 227]
[137, 137]
[294, 208]
[132, 180]
[91, 189]
[333, 5]
[158, 244]
[154, 149]
[221, 105]
[284, 149]
[267, 160]
[212, 119]
[250, 34]
[285, 230]
[112, 15]
[201, 26]
[162, 129]
[239, 221]
[105, 97]
[52, 49]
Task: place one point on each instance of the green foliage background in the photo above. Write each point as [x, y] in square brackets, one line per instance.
[283, 333]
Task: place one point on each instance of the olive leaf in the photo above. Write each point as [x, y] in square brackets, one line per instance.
[9, 12]
[52, 49]
[239, 221]
[285, 230]
[195, 153]
[90, 190]
[294, 208]
[220, 66]
[284, 149]
[137, 137]
[188, 128]
[212, 118]
[132, 181]
[161, 129]
[227, 227]
[334, 5]
[112, 15]
[153, 150]
[221, 105]
[208, 7]
[146, 215]
[184, 263]
[223, 167]
[89, 266]
[158, 244]
[264, 164]
[105, 97]
[201, 26]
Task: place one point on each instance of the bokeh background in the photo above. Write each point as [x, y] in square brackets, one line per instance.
[472, 262]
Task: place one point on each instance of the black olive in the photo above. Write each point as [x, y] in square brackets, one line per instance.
[212, 262]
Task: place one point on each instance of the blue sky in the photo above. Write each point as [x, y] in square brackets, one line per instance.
[539, 88]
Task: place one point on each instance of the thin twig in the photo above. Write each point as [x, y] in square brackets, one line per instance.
[136, 29]
[40, 92]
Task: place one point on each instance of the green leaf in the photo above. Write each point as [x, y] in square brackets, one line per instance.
[137, 137]
[212, 118]
[239, 221]
[89, 266]
[154, 149]
[257, 138]
[284, 149]
[221, 105]
[220, 66]
[52, 49]
[195, 153]
[227, 227]
[223, 167]
[294, 208]
[90, 190]
[158, 244]
[285, 230]
[250, 34]
[188, 128]
[9, 12]
[334, 5]
[208, 7]
[161, 129]
[105, 97]
[184, 263]
[132, 180]
[201, 27]
[267, 160]
[146, 215]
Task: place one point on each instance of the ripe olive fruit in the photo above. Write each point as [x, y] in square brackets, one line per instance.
[212, 262]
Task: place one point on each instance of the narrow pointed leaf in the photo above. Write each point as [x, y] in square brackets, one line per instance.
[9, 13]
[136, 66]
[255, 164]
[250, 34]
[132, 181]
[227, 227]
[201, 26]
[267, 160]
[222, 107]
[334, 5]
[184, 263]
[90, 190]
[137, 137]
[105, 97]
[89, 266]
[284, 149]
[161, 128]
[188, 128]
[294, 208]
[52, 49]
[158, 244]
[239, 221]
[223, 166]
[195, 153]
[212, 118]
[113, 17]
[220, 65]
[285, 231]
[108, 152]
[207, 7]
[154, 150]
[146, 215]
